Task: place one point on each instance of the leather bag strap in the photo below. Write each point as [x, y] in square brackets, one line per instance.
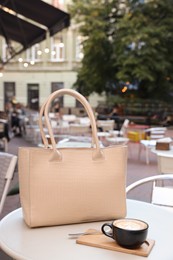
[97, 154]
[41, 117]
[41, 114]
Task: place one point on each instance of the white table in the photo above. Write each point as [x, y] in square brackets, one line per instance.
[21, 242]
[148, 145]
[165, 152]
[117, 140]
[140, 129]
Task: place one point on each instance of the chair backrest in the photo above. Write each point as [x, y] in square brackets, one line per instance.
[156, 132]
[79, 129]
[106, 125]
[69, 118]
[7, 167]
[3, 138]
[165, 163]
[33, 119]
[84, 121]
[124, 127]
[160, 194]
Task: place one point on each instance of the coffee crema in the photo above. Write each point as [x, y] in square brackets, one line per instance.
[130, 224]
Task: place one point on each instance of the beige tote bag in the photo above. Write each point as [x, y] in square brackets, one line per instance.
[71, 185]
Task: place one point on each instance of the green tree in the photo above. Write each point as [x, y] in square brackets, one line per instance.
[143, 48]
[131, 41]
[97, 19]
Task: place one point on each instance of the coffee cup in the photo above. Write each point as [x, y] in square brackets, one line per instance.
[127, 232]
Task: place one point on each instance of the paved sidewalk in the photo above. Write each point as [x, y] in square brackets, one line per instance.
[136, 170]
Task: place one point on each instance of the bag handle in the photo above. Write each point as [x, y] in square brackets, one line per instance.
[40, 121]
[41, 114]
[97, 153]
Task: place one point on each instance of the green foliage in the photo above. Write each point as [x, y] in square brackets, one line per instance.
[130, 42]
[111, 100]
[98, 72]
[143, 48]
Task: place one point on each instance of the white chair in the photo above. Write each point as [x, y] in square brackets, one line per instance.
[3, 139]
[32, 128]
[78, 129]
[147, 145]
[117, 140]
[83, 121]
[161, 196]
[52, 115]
[7, 167]
[105, 125]
[61, 128]
[154, 134]
[122, 131]
[165, 163]
[69, 118]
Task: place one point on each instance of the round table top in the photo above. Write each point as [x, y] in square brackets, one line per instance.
[135, 126]
[103, 134]
[164, 152]
[117, 140]
[21, 242]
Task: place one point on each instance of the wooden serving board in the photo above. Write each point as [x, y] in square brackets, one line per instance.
[102, 241]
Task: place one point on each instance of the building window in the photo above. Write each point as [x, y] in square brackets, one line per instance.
[33, 96]
[7, 50]
[79, 48]
[34, 53]
[4, 50]
[56, 86]
[9, 93]
[57, 49]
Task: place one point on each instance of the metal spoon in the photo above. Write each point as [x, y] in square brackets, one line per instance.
[92, 232]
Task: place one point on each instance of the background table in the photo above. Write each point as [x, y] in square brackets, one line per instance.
[165, 152]
[21, 242]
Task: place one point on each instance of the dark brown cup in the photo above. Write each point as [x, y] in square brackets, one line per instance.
[127, 232]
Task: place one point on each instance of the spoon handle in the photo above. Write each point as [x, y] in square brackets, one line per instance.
[84, 233]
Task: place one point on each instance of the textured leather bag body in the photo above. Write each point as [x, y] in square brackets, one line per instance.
[71, 185]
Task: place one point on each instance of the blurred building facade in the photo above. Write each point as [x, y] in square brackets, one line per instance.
[45, 67]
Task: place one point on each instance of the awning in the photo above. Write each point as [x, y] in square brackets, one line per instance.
[29, 21]
[27, 35]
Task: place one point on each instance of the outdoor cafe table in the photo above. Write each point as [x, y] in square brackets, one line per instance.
[140, 129]
[21, 242]
[137, 127]
[165, 152]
